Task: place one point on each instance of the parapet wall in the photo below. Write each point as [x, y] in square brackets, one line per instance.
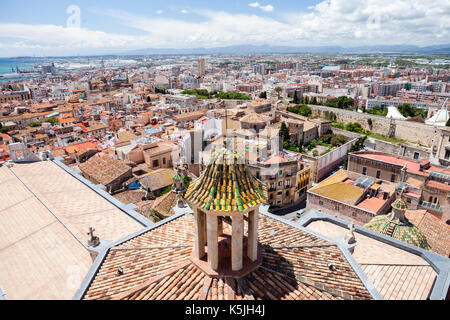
[406, 130]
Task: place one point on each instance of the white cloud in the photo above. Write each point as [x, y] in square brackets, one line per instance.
[266, 8]
[184, 11]
[330, 22]
[159, 12]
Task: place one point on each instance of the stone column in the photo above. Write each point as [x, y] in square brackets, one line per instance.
[200, 236]
[213, 241]
[252, 242]
[237, 239]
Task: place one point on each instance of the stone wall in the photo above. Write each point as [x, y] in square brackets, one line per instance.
[338, 209]
[400, 150]
[410, 131]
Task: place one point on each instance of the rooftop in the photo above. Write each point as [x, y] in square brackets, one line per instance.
[46, 214]
[104, 169]
[156, 266]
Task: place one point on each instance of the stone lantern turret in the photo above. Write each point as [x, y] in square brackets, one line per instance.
[226, 192]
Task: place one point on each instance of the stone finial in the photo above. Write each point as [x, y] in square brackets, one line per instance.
[94, 240]
[350, 236]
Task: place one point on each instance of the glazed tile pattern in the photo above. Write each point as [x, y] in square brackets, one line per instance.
[408, 233]
[225, 185]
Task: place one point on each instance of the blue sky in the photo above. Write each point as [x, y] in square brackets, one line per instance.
[41, 27]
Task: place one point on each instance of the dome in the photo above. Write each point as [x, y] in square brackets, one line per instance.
[399, 204]
[225, 185]
[407, 232]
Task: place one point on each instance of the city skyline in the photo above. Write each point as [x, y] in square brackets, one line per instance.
[113, 27]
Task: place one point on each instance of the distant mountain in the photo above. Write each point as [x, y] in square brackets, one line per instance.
[250, 49]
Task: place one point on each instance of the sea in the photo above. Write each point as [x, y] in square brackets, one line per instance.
[8, 65]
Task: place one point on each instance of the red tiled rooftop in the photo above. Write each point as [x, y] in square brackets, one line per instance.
[411, 166]
[372, 204]
[438, 185]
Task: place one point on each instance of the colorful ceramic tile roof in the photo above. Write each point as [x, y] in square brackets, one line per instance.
[408, 233]
[156, 266]
[225, 185]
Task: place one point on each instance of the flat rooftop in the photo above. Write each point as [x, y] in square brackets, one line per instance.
[45, 214]
[397, 274]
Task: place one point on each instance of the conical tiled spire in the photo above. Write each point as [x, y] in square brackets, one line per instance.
[226, 185]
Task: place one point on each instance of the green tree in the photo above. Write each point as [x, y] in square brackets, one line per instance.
[52, 120]
[304, 110]
[284, 132]
[342, 102]
[278, 90]
[296, 99]
[35, 124]
[306, 100]
[354, 127]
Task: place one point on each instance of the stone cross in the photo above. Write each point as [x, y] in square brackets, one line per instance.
[94, 240]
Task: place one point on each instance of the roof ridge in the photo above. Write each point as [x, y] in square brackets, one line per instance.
[175, 245]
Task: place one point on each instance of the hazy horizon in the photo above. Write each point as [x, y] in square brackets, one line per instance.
[85, 28]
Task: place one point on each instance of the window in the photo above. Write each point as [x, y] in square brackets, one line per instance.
[378, 174]
[288, 183]
[393, 178]
[287, 193]
[164, 160]
[447, 154]
[281, 172]
[155, 163]
[280, 183]
[336, 208]
[416, 155]
[364, 172]
[354, 214]
[272, 186]
[321, 203]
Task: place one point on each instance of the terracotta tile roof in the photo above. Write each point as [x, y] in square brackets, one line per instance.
[156, 266]
[163, 206]
[104, 169]
[157, 179]
[411, 166]
[390, 281]
[434, 229]
[372, 204]
[438, 185]
[80, 146]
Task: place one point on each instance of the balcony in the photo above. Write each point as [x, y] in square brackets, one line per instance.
[431, 206]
